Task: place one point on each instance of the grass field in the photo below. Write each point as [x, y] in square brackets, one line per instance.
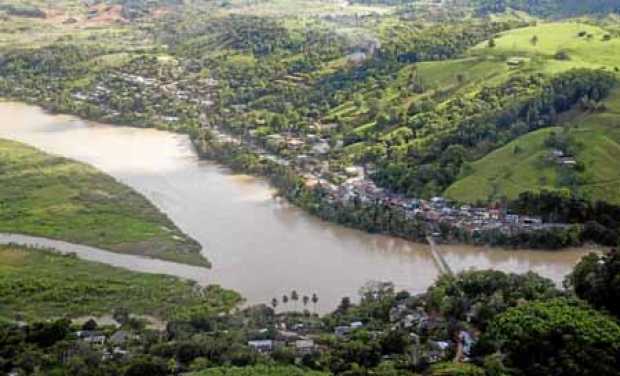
[585, 45]
[53, 197]
[37, 284]
[505, 172]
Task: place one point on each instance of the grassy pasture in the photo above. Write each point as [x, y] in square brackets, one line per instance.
[507, 173]
[49, 196]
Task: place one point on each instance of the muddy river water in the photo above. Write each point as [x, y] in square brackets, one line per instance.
[258, 245]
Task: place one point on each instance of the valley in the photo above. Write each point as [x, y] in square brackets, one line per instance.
[309, 187]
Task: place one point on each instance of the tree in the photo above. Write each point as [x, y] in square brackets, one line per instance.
[556, 337]
[534, 40]
[121, 315]
[344, 305]
[315, 300]
[284, 299]
[91, 324]
[482, 295]
[147, 366]
[294, 297]
[274, 303]
[596, 280]
[278, 122]
[492, 43]
[305, 300]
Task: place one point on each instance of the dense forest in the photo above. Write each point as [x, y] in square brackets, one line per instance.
[548, 8]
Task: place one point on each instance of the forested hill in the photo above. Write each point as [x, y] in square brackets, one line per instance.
[542, 8]
[548, 8]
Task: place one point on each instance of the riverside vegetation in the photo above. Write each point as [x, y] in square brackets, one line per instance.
[37, 284]
[49, 196]
[476, 323]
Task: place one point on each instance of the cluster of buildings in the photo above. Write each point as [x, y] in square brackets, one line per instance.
[137, 87]
[435, 211]
[113, 346]
[353, 184]
[299, 341]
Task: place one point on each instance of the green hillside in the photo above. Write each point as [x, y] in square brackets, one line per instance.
[520, 166]
[584, 46]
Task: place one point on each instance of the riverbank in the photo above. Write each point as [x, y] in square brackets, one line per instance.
[54, 197]
[376, 213]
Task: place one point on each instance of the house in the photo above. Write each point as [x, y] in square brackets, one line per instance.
[117, 352]
[261, 346]
[321, 148]
[354, 171]
[304, 346]
[556, 153]
[495, 214]
[438, 350]
[356, 325]
[531, 221]
[295, 143]
[512, 219]
[170, 119]
[91, 337]
[341, 331]
[568, 162]
[120, 337]
[438, 202]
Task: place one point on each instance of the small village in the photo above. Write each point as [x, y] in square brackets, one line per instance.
[300, 337]
[354, 184]
[307, 152]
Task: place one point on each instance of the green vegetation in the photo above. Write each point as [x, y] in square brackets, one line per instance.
[482, 101]
[258, 371]
[472, 324]
[595, 280]
[53, 197]
[508, 171]
[525, 164]
[551, 8]
[395, 90]
[557, 336]
[40, 285]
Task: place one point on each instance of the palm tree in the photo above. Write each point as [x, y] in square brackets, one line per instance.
[305, 300]
[284, 299]
[294, 297]
[274, 303]
[315, 300]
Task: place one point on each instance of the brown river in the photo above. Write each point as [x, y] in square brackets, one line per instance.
[259, 246]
